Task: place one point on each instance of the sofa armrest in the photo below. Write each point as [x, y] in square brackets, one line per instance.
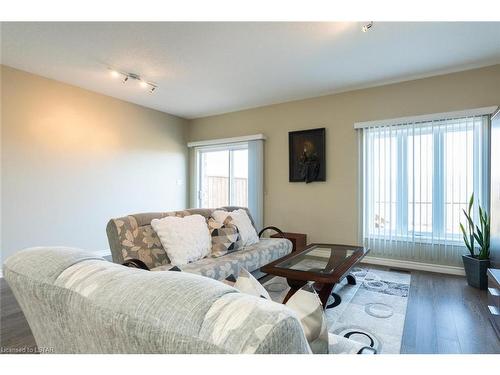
[241, 323]
[276, 229]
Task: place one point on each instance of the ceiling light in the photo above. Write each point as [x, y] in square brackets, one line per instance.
[135, 77]
[367, 27]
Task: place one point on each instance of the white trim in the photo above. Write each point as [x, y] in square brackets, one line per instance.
[360, 187]
[198, 152]
[430, 117]
[102, 253]
[406, 264]
[1, 273]
[211, 142]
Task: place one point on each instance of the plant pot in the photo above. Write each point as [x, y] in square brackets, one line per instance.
[475, 270]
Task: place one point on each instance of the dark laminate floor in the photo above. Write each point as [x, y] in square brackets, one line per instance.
[14, 330]
[444, 315]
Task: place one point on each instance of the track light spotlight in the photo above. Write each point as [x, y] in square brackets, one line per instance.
[366, 27]
[126, 76]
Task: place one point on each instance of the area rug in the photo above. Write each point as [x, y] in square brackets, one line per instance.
[371, 312]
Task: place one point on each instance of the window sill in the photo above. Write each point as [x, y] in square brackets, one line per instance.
[419, 239]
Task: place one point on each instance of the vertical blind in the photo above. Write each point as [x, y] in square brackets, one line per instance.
[256, 181]
[417, 178]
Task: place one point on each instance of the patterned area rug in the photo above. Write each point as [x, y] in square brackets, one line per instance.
[371, 312]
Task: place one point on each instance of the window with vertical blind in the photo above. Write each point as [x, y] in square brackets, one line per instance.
[417, 178]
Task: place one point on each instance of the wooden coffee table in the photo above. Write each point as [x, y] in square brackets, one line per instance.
[324, 264]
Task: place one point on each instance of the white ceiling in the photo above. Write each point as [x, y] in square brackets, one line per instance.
[208, 68]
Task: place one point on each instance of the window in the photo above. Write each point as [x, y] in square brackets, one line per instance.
[417, 178]
[223, 176]
[230, 172]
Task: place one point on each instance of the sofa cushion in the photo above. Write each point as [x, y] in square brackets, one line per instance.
[248, 284]
[133, 237]
[241, 219]
[139, 242]
[225, 237]
[309, 309]
[251, 258]
[342, 345]
[185, 239]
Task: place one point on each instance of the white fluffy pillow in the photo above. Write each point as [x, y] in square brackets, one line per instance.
[242, 221]
[185, 239]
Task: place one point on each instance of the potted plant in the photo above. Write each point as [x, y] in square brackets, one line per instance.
[476, 264]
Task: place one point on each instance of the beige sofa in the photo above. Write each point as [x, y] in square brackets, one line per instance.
[76, 302]
[132, 237]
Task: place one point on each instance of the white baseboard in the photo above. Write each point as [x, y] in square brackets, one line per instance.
[102, 253]
[406, 264]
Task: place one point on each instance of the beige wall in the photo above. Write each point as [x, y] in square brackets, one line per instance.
[328, 211]
[72, 159]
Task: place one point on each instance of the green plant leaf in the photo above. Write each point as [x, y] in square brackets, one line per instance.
[466, 240]
[479, 240]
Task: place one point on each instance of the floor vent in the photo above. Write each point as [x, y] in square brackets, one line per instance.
[399, 270]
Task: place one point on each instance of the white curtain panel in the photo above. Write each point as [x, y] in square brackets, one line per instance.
[417, 178]
[256, 181]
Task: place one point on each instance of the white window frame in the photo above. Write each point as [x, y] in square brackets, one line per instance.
[438, 234]
[198, 169]
[438, 195]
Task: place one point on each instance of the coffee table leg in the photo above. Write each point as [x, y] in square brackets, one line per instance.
[324, 292]
[336, 302]
[351, 280]
[290, 293]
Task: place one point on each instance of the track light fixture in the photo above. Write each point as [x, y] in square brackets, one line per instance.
[367, 27]
[126, 76]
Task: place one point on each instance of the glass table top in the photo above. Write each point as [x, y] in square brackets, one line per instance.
[319, 258]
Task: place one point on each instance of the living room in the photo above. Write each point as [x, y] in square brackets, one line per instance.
[337, 194]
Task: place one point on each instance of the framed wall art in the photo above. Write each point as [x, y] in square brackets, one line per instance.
[306, 153]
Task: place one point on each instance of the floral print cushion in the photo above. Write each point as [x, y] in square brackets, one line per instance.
[251, 258]
[140, 242]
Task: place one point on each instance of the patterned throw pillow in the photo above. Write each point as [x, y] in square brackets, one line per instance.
[241, 219]
[309, 309]
[306, 305]
[225, 237]
[248, 284]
